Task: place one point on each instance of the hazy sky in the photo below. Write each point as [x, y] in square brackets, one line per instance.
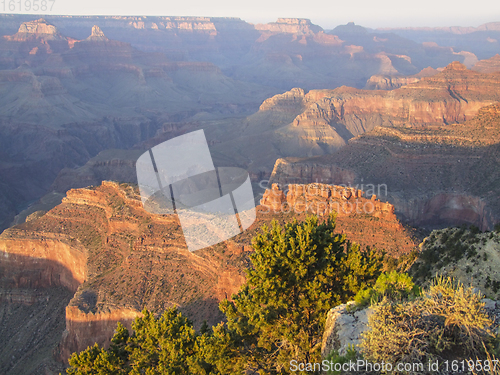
[326, 13]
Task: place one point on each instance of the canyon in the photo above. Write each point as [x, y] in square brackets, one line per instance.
[403, 123]
[436, 176]
[111, 259]
[101, 89]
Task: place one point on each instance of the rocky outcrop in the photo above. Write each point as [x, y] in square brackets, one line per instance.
[100, 243]
[38, 28]
[391, 82]
[435, 176]
[290, 101]
[387, 82]
[35, 261]
[83, 329]
[344, 328]
[322, 199]
[364, 220]
[299, 26]
[117, 259]
[455, 94]
[97, 34]
[490, 65]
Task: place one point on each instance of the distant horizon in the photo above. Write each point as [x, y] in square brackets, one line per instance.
[330, 26]
[382, 14]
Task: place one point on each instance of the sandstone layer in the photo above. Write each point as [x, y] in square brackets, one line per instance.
[115, 258]
[435, 176]
[300, 123]
[364, 220]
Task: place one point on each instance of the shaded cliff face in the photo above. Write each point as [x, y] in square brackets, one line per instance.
[436, 176]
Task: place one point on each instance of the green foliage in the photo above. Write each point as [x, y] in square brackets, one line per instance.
[95, 360]
[393, 286]
[158, 346]
[444, 247]
[448, 318]
[334, 357]
[299, 272]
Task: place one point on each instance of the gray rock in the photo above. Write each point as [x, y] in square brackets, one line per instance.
[489, 304]
[343, 328]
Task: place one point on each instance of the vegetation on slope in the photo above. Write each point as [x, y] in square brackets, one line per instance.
[299, 272]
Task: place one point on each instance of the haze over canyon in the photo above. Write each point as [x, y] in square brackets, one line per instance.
[317, 117]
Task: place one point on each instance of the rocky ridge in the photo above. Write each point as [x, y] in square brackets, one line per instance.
[298, 26]
[364, 220]
[301, 123]
[114, 259]
[435, 175]
[490, 65]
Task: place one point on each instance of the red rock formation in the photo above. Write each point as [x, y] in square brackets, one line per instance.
[322, 199]
[121, 259]
[454, 95]
[366, 221]
[435, 175]
[83, 329]
[299, 26]
[490, 65]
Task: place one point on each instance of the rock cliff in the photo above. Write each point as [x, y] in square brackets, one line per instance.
[364, 220]
[435, 176]
[118, 259]
[113, 259]
[391, 82]
[298, 26]
[490, 65]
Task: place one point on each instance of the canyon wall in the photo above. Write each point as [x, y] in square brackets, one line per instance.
[434, 176]
[100, 244]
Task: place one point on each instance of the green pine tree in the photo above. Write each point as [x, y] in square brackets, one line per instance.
[299, 272]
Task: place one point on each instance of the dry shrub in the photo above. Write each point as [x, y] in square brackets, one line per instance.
[448, 321]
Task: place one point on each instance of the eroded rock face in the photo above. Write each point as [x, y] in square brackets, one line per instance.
[454, 95]
[291, 26]
[387, 82]
[322, 199]
[490, 65]
[364, 220]
[117, 259]
[436, 176]
[38, 27]
[100, 243]
[83, 329]
[343, 329]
